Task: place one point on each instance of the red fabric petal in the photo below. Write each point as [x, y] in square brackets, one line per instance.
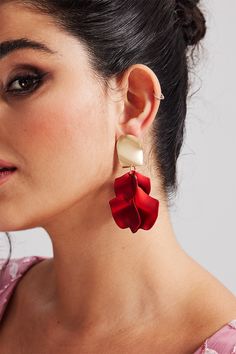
[148, 208]
[133, 207]
[125, 186]
[144, 182]
[125, 213]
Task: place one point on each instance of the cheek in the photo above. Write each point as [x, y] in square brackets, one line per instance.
[69, 140]
[65, 149]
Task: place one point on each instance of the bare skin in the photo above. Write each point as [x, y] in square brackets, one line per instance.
[106, 290]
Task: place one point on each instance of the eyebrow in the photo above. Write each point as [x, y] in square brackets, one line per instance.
[11, 46]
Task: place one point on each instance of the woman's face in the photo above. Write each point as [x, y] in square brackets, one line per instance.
[59, 130]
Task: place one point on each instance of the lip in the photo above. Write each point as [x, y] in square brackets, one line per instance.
[6, 164]
[6, 177]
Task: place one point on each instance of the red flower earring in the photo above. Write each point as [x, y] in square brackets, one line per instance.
[133, 207]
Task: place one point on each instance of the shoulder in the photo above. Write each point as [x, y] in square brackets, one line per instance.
[10, 274]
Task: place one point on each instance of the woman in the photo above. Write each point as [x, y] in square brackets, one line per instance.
[87, 87]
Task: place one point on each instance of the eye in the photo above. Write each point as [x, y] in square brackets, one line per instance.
[24, 84]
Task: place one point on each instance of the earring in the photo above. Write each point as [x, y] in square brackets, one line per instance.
[133, 207]
[162, 97]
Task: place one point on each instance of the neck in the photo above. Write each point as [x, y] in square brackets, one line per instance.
[104, 277]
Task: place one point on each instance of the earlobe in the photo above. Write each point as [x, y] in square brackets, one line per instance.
[133, 127]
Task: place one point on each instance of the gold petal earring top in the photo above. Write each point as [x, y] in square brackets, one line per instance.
[129, 150]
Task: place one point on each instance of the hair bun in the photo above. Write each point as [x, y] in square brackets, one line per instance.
[192, 20]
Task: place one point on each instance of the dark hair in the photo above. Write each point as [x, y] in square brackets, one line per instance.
[156, 33]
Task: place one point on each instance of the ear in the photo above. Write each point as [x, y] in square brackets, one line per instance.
[138, 84]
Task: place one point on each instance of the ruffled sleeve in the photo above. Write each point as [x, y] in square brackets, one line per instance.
[221, 342]
[10, 276]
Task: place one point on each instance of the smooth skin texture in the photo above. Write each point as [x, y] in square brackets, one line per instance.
[106, 290]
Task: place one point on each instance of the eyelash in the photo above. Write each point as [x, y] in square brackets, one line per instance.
[18, 92]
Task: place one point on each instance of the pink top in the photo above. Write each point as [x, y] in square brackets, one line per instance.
[223, 341]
